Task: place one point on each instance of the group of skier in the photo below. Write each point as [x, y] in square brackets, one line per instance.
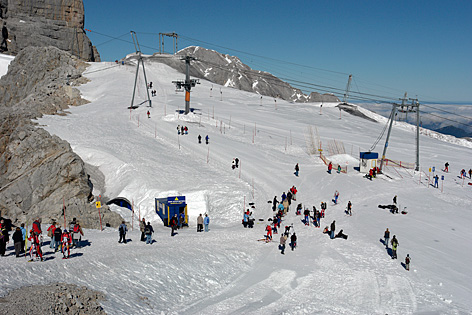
[207, 139]
[394, 242]
[182, 130]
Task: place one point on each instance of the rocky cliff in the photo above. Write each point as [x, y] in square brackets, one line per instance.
[232, 72]
[38, 171]
[58, 23]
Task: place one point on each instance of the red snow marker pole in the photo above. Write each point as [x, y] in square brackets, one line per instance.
[64, 210]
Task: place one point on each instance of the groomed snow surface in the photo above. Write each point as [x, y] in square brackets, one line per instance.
[227, 270]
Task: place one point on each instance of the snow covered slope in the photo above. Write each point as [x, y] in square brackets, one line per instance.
[227, 271]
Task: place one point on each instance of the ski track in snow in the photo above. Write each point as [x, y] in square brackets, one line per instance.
[226, 271]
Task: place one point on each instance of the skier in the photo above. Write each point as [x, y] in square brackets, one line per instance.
[142, 226]
[436, 180]
[233, 164]
[66, 242]
[206, 222]
[296, 170]
[149, 114]
[407, 262]
[199, 139]
[307, 216]
[178, 129]
[283, 239]
[294, 191]
[330, 167]
[269, 233]
[349, 208]
[336, 196]
[394, 243]
[293, 241]
[57, 237]
[150, 85]
[386, 237]
[148, 231]
[395, 200]
[250, 221]
[122, 229]
[207, 139]
[245, 219]
[446, 167]
[333, 227]
[200, 223]
[318, 218]
[237, 162]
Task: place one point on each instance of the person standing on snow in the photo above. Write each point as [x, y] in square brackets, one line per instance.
[407, 262]
[199, 139]
[283, 239]
[206, 222]
[330, 167]
[17, 237]
[233, 164]
[207, 139]
[436, 181]
[142, 226]
[57, 237]
[178, 129]
[237, 162]
[65, 244]
[4, 36]
[349, 208]
[446, 167]
[336, 196]
[306, 213]
[122, 230]
[386, 237]
[78, 233]
[394, 243]
[293, 241]
[173, 224]
[395, 200]
[297, 169]
[269, 233]
[274, 203]
[51, 233]
[200, 223]
[148, 230]
[333, 227]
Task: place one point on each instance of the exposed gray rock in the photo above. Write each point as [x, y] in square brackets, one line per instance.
[39, 172]
[58, 23]
[232, 72]
[56, 298]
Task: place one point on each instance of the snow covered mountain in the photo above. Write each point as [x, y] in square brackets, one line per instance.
[227, 270]
[229, 71]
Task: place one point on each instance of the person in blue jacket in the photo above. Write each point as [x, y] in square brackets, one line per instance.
[206, 222]
[245, 218]
[284, 196]
[122, 229]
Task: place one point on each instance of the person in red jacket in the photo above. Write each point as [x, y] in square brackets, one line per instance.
[330, 167]
[34, 238]
[269, 233]
[66, 241]
[51, 230]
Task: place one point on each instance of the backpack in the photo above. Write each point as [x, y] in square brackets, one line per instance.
[122, 229]
[147, 230]
[76, 228]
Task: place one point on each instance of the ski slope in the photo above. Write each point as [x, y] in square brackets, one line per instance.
[227, 271]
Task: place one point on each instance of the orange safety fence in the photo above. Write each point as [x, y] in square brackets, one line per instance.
[335, 166]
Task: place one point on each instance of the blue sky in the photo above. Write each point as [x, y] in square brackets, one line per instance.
[421, 47]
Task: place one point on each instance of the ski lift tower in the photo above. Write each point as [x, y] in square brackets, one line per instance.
[348, 87]
[140, 61]
[161, 41]
[188, 84]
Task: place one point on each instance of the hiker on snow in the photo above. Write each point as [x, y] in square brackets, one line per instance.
[394, 243]
[122, 229]
[330, 167]
[307, 216]
[207, 139]
[297, 169]
[446, 167]
[17, 237]
[386, 237]
[142, 226]
[78, 233]
[206, 222]
[148, 230]
[57, 238]
[51, 233]
[200, 223]
[293, 241]
[233, 164]
[349, 208]
[283, 239]
[407, 262]
[173, 224]
[333, 227]
[65, 244]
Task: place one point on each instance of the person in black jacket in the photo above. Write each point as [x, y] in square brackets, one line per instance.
[333, 227]
[17, 238]
[173, 224]
[57, 237]
[293, 241]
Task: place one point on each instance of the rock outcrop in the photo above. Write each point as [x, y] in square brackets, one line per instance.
[38, 171]
[41, 23]
[232, 72]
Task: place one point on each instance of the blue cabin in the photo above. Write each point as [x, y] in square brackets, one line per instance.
[166, 208]
[368, 160]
